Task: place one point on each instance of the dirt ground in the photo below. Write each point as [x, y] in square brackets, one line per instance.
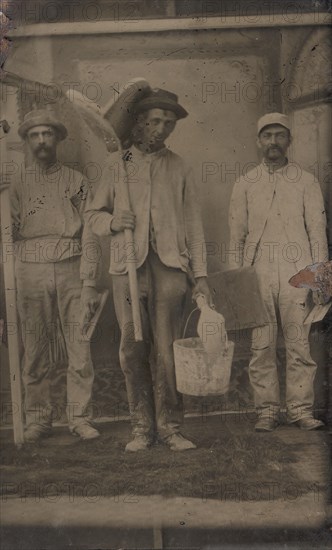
[228, 452]
[238, 489]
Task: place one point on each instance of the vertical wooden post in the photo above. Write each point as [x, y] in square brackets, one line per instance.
[10, 292]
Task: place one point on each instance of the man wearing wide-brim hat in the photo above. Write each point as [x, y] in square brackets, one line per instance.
[169, 242]
[55, 274]
[278, 225]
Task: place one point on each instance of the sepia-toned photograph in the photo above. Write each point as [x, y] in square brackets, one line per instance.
[166, 274]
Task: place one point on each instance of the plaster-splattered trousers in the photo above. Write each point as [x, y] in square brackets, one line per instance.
[275, 266]
[168, 235]
[155, 404]
[278, 224]
[291, 305]
[53, 261]
[45, 290]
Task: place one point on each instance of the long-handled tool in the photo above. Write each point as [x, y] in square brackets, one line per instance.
[10, 292]
[99, 122]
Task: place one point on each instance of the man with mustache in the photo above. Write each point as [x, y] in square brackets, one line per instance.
[169, 241]
[56, 270]
[278, 224]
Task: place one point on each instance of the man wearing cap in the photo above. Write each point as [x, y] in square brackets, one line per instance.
[169, 242]
[277, 223]
[53, 261]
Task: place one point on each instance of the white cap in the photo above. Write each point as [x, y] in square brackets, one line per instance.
[272, 118]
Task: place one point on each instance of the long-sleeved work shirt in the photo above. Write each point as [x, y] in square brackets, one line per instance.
[164, 198]
[47, 212]
[280, 213]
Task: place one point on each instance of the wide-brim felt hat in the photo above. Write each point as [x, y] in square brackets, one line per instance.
[161, 99]
[42, 117]
[136, 98]
[114, 122]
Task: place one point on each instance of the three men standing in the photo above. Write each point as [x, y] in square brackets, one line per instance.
[277, 223]
[52, 264]
[169, 240]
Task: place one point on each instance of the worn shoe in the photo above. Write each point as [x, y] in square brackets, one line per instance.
[85, 431]
[139, 443]
[177, 442]
[266, 424]
[35, 432]
[309, 423]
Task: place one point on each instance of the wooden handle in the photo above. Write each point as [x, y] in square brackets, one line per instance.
[131, 257]
[11, 308]
[133, 288]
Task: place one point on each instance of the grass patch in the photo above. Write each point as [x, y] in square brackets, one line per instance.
[247, 466]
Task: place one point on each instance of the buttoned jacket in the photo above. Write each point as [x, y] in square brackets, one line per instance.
[163, 196]
[301, 207]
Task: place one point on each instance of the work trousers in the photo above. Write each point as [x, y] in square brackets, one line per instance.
[45, 291]
[148, 366]
[289, 305]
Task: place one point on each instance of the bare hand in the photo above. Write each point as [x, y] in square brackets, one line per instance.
[123, 219]
[202, 287]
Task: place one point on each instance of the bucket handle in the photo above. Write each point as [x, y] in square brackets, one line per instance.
[188, 319]
[186, 326]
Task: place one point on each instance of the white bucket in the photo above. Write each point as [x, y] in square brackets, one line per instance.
[199, 373]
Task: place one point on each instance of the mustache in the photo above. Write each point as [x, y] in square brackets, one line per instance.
[42, 148]
[274, 147]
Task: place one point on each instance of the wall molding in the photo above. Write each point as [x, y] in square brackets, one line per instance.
[165, 25]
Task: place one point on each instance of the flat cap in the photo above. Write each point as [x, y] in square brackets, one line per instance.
[273, 118]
